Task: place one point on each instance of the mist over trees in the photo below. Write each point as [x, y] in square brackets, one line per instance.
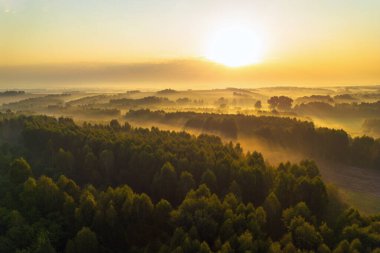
[301, 136]
[114, 188]
[339, 110]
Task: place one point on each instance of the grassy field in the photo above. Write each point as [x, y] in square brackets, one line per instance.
[359, 187]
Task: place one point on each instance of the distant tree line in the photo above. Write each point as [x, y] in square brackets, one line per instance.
[36, 102]
[339, 110]
[12, 93]
[290, 133]
[151, 100]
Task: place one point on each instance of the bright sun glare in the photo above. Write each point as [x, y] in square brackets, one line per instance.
[234, 47]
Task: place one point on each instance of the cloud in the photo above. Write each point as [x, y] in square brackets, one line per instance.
[180, 70]
[181, 73]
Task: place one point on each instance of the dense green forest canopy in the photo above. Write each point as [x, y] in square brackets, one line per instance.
[114, 188]
[289, 133]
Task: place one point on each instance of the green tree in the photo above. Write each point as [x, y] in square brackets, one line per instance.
[204, 248]
[165, 182]
[114, 124]
[69, 186]
[281, 102]
[19, 171]
[235, 189]
[86, 241]
[245, 242]
[48, 196]
[209, 179]
[275, 248]
[90, 168]
[261, 216]
[258, 105]
[305, 236]
[64, 160]
[356, 245]
[255, 159]
[43, 244]
[185, 184]
[327, 234]
[300, 209]
[87, 207]
[323, 248]
[226, 248]
[162, 216]
[343, 247]
[107, 161]
[272, 207]
[290, 248]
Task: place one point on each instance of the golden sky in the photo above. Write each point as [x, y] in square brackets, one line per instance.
[323, 42]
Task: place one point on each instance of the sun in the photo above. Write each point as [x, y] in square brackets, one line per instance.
[234, 47]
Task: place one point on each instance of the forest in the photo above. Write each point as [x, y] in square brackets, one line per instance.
[112, 187]
[347, 108]
[289, 133]
[178, 126]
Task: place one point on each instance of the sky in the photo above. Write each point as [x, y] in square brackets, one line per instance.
[324, 42]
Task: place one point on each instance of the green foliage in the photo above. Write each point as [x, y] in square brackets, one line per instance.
[19, 171]
[185, 184]
[323, 248]
[44, 245]
[304, 234]
[343, 246]
[86, 241]
[300, 209]
[119, 189]
[209, 179]
[165, 181]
